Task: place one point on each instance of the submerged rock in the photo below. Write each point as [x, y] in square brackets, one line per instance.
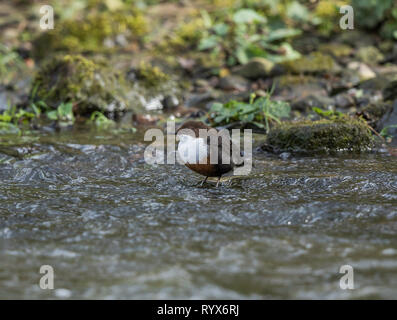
[320, 136]
[87, 84]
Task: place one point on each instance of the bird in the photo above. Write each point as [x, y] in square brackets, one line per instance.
[195, 151]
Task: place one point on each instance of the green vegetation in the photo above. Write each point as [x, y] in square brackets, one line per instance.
[371, 12]
[12, 118]
[108, 58]
[63, 114]
[259, 111]
[100, 120]
[329, 114]
[247, 35]
[151, 76]
[385, 131]
[73, 78]
[96, 31]
[313, 63]
[11, 65]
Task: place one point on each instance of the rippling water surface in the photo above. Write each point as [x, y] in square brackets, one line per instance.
[114, 227]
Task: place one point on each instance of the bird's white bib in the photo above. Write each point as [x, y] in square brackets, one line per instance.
[192, 150]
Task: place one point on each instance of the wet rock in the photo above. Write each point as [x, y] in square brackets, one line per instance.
[355, 38]
[377, 84]
[170, 102]
[363, 71]
[306, 103]
[344, 100]
[390, 91]
[374, 112]
[389, 121]
[370, 55]
[201, 100]
[87, 84]
[255, 68]
[10, 96]
[302, 92]
[314, 63]
[320, 136]
[152, 89]
[233, 82]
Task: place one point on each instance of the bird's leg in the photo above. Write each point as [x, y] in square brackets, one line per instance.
[217, 183]
[203, 181]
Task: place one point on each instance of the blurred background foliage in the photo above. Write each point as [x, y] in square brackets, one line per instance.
[214, 35]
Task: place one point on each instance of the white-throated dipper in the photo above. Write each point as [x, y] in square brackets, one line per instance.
[195, 150]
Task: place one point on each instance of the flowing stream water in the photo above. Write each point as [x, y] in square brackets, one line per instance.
[112, 226]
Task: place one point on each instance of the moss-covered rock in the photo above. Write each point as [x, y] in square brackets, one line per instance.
[313, 63]
[79, 80]
[151, 76]
[390, 90]
[152, 89]
[96, 31]
[374, 112]
[188, 35]
[320, 136]
[328, 12]
[370, 55]
[337, 50]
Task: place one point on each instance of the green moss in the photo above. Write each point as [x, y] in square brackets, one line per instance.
[320, 136]
[90, 33]
[79, 80]
[337, 50]
[316, 62]
[370, 55]
[328, 13]
[186, 36]
[151, 76]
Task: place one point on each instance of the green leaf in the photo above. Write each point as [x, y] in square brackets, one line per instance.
[52, 115]
[221, 29]
[297, 11]
[248, 16]
[5, 117]
[283, 33]
[259, 124]
[384, 133]
[241, 55]
[208, 43]
[65, 109]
